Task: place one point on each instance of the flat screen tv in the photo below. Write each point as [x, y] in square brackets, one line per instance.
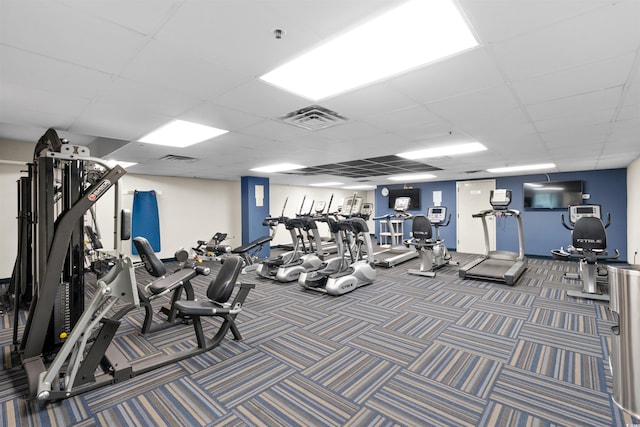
[552, 194]
[412, 193]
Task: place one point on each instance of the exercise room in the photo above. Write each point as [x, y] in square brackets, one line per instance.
[320, 213]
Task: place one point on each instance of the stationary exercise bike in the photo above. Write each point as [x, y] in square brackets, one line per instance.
[589, 245]
[433, 252]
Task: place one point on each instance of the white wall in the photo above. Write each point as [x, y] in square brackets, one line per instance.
[9, 174]
[633, 212]
[189, 209]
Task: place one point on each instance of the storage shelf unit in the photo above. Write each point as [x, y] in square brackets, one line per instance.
[393, 237]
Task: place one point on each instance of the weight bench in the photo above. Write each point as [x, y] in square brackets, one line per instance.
[164, 284]
[248, 252]
[75, 367]
[213, 249]
[218, 294]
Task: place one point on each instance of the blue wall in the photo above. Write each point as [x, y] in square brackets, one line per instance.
[448, 189]
[543, 230]
[252, 215]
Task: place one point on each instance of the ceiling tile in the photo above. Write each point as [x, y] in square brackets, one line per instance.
[496, 20]
[576, 81]
[605, 32]
[163, 66]
[39, 72]
[71, 36]
[462, 73]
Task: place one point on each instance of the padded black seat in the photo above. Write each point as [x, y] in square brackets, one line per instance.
[165, 284]
[421, 228]
[589, 236]
[152, 264]
[260, 241]
[218, 294]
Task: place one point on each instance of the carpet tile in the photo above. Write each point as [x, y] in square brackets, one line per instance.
[405, 350]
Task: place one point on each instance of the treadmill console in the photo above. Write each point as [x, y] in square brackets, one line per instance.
[402, 204]
[500, 199]
[366, 210]
[437, 215]
[352, 206]
[319, 208]
[581, 211]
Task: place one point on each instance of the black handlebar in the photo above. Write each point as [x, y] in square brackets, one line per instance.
[571, 228]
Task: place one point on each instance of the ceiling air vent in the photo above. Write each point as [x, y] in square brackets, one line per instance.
[476, 171]
[175, 157]
[314, 117]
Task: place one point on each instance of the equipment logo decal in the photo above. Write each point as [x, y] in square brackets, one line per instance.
[104, 186]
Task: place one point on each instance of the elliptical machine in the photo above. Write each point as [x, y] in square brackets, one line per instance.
[309, 261]
[589, 245]
[433, 253]
[362, 271]
[317, 279]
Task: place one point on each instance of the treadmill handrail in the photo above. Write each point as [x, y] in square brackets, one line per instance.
[510, 212]
[494, 212]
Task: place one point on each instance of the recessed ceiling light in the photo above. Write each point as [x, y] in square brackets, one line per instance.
[325, 184]
[281, 167]
[522, 168]
[411, 177]
[124, 164]
[449, 150]
[360, 187]
[411, 35]
[180, 133]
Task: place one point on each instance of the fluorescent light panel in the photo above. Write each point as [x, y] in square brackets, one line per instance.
[180, 133]
[449, 150]
[412, 177]
[326, 184]
[281, 167]
[522, 168]
[417, 32]
[360, 187]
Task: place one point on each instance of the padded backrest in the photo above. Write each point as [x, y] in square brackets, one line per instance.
[217, 238]
[221, 288]
[154, 266]
[421, 228]
[589, 234]
[93, 236]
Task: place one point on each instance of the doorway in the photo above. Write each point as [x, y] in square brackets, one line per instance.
[471, 198]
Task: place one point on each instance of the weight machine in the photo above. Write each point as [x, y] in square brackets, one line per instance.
[66, 348]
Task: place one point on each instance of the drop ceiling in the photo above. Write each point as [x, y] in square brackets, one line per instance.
[551, 81]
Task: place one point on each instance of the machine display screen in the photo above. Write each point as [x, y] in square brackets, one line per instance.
[552, 194]
[412, 193]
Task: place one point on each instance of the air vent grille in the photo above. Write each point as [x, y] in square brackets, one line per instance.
[177, 158]
[314, 117]
[375, 166]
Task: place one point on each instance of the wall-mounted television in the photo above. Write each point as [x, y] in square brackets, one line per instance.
[412, 193]
[552, 194]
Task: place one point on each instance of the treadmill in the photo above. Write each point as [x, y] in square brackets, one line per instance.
[499, 266]
[401, 253]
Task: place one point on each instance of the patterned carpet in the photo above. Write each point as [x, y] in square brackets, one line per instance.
[403, 351]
